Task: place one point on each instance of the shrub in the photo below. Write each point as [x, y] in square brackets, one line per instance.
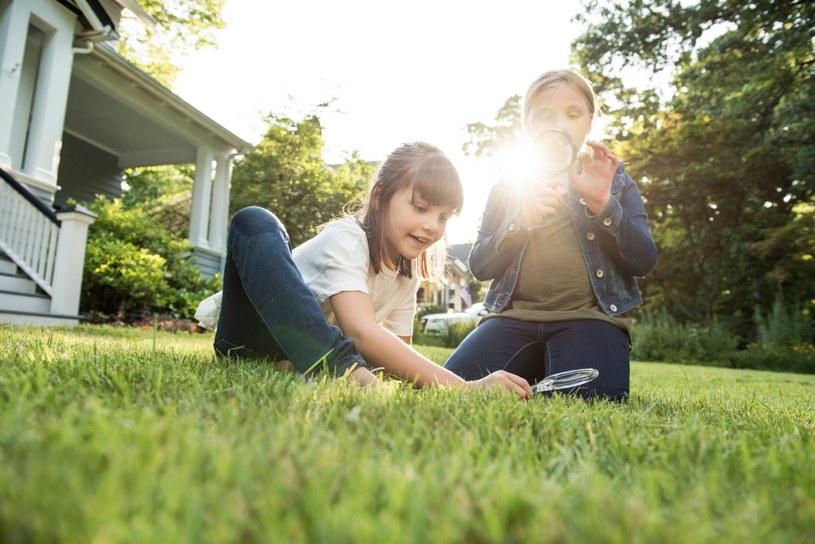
[134, 266]
[660, 337]
[784, 326]
[800, 358]
[451, 338]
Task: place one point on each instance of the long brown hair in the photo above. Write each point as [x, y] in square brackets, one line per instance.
[432, 175]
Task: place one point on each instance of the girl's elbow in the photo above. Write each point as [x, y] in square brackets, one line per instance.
[648, 263]
[481, 270]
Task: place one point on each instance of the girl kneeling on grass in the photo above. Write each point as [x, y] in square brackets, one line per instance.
[564, 251]
[347, 297]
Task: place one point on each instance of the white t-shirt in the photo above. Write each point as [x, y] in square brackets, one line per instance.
[337, 260]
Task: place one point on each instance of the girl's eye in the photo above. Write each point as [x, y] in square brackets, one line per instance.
[443, 218]
[420, 208]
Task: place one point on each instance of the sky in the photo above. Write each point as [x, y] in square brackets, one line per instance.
[392, 72]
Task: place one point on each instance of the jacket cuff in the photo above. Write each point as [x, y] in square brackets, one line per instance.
[610, 217]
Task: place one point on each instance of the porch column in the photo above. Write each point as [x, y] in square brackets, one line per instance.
[70, 260]
[219, 215]
[201, 199]
[13, 32]
[50, 102]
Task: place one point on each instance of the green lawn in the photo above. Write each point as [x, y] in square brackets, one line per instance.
[114, 435]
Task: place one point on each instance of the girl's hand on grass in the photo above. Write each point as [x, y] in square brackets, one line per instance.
[506, 380]
[364, 377]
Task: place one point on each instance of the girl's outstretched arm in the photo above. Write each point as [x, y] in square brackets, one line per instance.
[381, 348]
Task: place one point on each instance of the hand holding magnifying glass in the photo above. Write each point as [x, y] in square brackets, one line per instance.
[560, 162]
[554, 154]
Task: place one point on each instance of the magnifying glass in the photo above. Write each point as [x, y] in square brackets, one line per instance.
[555, 152]
[566, 380]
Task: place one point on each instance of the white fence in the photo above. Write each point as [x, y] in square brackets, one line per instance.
[28, 237]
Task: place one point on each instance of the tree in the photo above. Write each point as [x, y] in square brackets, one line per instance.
[727, 157]
[287, 175]
[163, 192]
[507, 132]
[181, 27]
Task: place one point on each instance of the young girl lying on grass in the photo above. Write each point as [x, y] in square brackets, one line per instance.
[346, 299]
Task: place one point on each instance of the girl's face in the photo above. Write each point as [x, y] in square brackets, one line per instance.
[413, 225]
[561, 106]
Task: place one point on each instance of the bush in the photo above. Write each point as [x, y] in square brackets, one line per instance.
[660, 337]
[784, 326]
[799, 358]
[452, 337]
[135, 267]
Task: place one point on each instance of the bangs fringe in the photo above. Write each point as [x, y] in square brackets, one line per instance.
[438, 182]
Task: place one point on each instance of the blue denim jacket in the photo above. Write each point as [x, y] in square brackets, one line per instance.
[617, 244]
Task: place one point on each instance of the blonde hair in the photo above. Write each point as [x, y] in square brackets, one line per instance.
[549, 79]
[433, 177]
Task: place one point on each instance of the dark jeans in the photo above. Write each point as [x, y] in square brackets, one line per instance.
[267, 311]
[536, 350]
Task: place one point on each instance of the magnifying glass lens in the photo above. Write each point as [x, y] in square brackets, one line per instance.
[555, 151]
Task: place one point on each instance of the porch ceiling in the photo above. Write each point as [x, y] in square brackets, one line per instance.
[103, 120]
[118, 108]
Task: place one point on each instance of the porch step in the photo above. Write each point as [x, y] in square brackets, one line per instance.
[7, 266]
[34, 318]
[12, 301]
[17, 283]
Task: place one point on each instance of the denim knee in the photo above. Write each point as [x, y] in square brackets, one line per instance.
[254, 220]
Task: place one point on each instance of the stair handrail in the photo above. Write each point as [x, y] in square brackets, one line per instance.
[31, 243]
[33, 200]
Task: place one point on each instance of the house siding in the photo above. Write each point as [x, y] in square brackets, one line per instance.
[208, 263]
[85, 171]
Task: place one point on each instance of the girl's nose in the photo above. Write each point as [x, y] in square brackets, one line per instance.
[432, 225]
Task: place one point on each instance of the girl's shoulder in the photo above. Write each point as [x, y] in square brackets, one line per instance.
[345, 228]
[342, 235]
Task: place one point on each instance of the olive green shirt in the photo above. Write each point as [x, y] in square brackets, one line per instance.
[553, 284]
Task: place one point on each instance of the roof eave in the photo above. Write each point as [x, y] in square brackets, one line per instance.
[142, 79]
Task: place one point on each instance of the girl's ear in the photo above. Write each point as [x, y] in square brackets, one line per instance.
[376, 191]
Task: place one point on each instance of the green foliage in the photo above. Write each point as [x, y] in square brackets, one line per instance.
[116, 435]
[660, 337]
[181, 27]
[134, 266]
[165, 192]
[451, 337]
[798, 358]
[505, 133]
[786, 346]
[287, 175]
[785, 326]
[725, 158]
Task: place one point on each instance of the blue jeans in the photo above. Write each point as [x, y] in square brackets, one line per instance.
[267, 311]
[536, 350]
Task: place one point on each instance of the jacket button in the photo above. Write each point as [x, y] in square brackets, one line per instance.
[599, 273]
[590, 235]
[607, 221]
[613, 307]
[512, 227]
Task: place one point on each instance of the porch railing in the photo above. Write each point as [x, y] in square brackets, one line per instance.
[29, 232]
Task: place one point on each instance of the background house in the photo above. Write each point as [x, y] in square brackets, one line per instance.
[455, 294]
[73, 115]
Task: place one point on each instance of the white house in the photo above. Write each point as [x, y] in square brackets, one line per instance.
[73, 115]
